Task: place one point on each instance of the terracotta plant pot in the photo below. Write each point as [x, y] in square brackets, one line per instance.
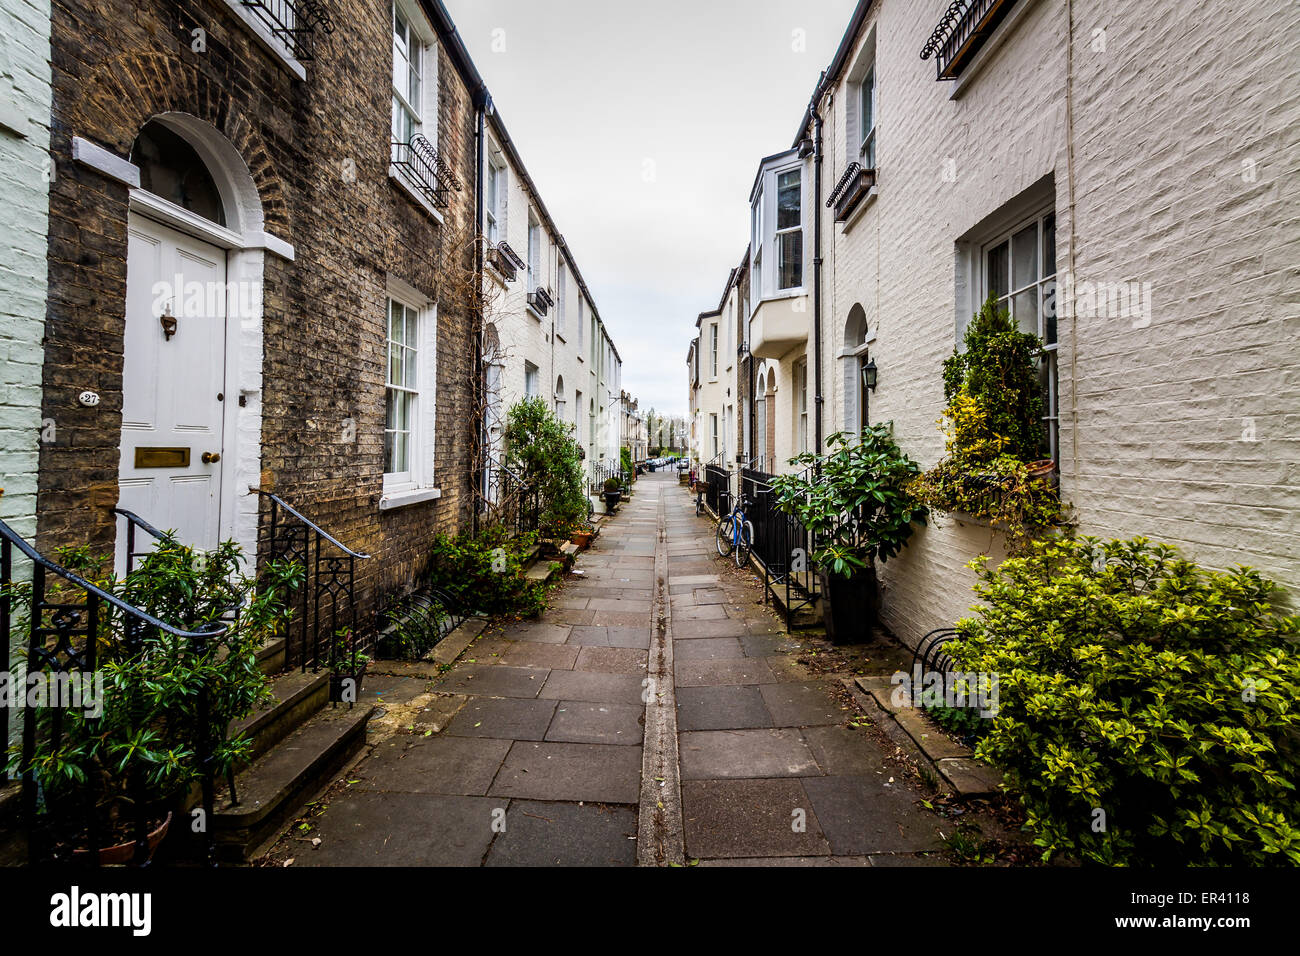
[124, 853]
[1043, 468]
[582, 539]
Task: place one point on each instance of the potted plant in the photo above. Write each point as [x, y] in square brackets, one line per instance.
[120, 770]
[857, 509]
[613, 493]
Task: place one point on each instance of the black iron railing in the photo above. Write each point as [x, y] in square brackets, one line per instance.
[324, 629]
[505, 260]
[425, 170]
[965, 27]
[540, 300]
[412, 623]
[717, 488]
[295, 23]
[782, 546]
[512, 500]
[603, 469]
[71, 629]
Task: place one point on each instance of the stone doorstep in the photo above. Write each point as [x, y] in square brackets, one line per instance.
[271, 657]
[271, 791]
[951, 762]
[297, 696]
[10, 796]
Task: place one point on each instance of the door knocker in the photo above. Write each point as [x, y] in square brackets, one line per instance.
[168, 323]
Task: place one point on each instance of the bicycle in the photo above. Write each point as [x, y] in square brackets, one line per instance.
[735, 534]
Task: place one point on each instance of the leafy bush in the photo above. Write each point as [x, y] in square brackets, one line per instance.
[485, 572]
[856, 503]
[541, 448]
[1136, 683]
[625, 460]
[994, 429]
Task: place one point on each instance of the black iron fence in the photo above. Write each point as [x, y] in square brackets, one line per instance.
[295, 23]
[717, 488]
[603, 469]
[782, 547]
[72, 629]
[324, 629]
[511, 500]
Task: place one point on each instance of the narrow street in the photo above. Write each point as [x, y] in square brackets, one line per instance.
[531, 749]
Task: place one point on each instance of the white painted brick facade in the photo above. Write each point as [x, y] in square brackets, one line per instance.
[1180, 170]
[24, 214]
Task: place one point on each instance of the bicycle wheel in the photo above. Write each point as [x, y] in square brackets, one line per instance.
[744, 544]
[722, 536]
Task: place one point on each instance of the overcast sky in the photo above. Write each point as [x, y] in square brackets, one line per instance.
[642, 125]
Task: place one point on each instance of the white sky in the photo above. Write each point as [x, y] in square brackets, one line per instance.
[642, 124]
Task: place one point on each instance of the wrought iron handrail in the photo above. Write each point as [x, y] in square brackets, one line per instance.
[328, 603]
[55, 628]
[293, 23]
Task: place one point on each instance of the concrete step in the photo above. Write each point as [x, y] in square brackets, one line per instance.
[297, 696]
[544, 571]
[271, 658]
[274, 788]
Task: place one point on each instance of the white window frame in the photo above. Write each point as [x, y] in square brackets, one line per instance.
[765, 269]
[534, 252]
[582, 322]
[418, 35]
[561, 295]
[801, 403]
[497, 175]
[416, 482]
[1043, 290]
[532, 380]
[868, 99]
[713, 350]
[798, 229]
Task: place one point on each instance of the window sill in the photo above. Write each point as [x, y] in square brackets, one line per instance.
[393, 500]
[268, 40]
[416, 197]
[535, 314]
[856, 216]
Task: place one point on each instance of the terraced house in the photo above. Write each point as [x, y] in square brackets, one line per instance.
[275, 230]
[544, 335]
[953, 152]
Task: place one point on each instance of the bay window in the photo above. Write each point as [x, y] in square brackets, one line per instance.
[789, 229]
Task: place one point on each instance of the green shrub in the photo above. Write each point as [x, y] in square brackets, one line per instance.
[1136, 683]
[485, 572]
[625, 460]
[541, 448]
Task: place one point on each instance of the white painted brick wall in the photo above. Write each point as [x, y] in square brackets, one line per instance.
[24, 214]
[1151, 418]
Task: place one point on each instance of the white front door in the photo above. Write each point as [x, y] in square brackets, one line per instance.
[173, 385]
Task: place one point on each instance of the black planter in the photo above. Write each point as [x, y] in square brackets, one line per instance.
[851, 605]
[612, 498]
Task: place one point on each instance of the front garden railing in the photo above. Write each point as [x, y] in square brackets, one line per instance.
[512, 500]
[71, 629]
[782, 547]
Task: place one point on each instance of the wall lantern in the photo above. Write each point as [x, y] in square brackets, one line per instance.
[870, 375]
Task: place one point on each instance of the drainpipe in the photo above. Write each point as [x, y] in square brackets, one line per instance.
[482, 101]
[817, 253]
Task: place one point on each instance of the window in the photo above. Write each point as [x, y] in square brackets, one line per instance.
[532, 387]
[408, 79]
[713, 430]
[1019, 268]
[402, 394]
[495, 200]
[789, 229]
[561, 293]
[867, 118]
[713, 350]
[577, 412]
[756, 243]
[534, 253]
[801, 402]
[559, 399]
[582, 322]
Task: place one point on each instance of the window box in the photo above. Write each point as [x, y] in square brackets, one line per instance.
[506, 261]
[965, 28]
[856, 184]
[420, 166]
[539, 300]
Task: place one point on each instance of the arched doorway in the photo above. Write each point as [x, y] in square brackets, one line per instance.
[854, 358]
[191, 375]
[559, 397]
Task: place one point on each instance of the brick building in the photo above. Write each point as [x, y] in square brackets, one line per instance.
[261, 259]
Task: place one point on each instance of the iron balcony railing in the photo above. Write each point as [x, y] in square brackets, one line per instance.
[425, 170]
[965, 27]
[849, 192]
[506, 261]
[72, 627]
[324, 629]
[295, 23]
